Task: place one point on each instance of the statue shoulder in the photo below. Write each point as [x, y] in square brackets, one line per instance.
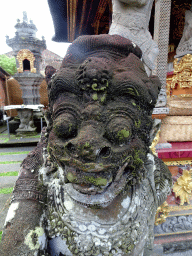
[162, 179]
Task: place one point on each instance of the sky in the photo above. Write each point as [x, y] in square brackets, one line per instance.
[38, 11]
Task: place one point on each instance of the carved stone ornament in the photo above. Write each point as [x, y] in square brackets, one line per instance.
[102, 183]
[185, 45]
[183, 187]
[162, 213]
[26, 54]
[182, 72]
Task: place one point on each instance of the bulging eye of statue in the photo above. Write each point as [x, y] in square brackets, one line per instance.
[65, 126]
[119, 130]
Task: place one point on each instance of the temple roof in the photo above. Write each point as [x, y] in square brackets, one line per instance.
[24, 28]
[72, 18]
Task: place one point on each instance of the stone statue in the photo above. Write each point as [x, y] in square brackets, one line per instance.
[92, 186]
[130, 19]
[185, 45]
[26, 120]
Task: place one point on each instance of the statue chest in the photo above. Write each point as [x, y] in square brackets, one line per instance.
[76, 230]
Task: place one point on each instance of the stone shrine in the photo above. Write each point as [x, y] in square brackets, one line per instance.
[27, 50]
[92, 185]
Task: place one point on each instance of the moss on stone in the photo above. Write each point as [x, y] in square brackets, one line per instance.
[1, 233]
[71, 177]
[103, 98]
[123, 134]
[96, 181]
[138, 124]
[95, 97]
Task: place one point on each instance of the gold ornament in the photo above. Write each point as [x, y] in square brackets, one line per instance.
[26, 54]
[182, 72]
[176, 163]
[162, 213]
[183, 187]
[155, 142]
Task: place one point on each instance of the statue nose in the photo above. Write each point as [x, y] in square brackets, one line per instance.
[88, 151]
[89, 144]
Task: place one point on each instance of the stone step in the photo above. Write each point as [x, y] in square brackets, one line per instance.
[158, 251]
[10, 168]
[16, 149]
[9, 158]
[7, 181]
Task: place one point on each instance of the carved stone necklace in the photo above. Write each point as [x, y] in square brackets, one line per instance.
[87, 234]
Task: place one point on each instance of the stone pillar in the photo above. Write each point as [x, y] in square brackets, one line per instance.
[161, 36]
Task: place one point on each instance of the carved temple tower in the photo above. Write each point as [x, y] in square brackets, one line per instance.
[27, 51]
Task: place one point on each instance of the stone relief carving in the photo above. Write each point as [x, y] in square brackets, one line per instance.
[175, 224]
[183, 187]
[101, 182]
[185, 45]
[131, 20]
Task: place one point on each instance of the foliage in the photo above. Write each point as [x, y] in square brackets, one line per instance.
[8, 64]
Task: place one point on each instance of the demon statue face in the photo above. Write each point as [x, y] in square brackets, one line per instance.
[101, 107]
[101, 182]
[101, 102]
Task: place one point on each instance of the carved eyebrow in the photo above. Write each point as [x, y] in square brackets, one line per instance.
[67, 108]
[130, 111]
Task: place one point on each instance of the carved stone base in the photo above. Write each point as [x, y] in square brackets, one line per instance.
[26, 126]
[26, 133]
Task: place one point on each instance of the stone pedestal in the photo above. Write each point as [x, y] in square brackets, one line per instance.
[30, 83]
[25, 113]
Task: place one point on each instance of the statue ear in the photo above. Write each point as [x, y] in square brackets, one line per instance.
[155, 128]
[49, 71]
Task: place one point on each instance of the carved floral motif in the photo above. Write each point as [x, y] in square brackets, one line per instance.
[25, 54]
[183, 187]
[182, 72]
[173, 224]
[154, 143]
[162, 213]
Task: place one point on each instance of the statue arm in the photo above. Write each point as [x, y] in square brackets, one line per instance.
[163, 180]
[22, 234]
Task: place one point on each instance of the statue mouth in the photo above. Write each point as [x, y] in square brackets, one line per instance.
[85, 167]
[96, 187]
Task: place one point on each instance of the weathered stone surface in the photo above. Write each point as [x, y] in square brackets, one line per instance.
[5, 200]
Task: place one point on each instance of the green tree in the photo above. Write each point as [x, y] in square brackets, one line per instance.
[8, 64]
